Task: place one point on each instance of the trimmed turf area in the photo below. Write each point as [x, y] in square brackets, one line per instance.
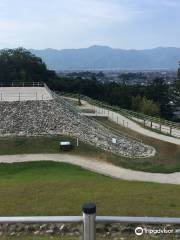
[167, 159]
[45, 144]
[50, 188]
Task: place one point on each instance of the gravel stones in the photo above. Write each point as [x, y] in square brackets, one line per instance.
[57, 116]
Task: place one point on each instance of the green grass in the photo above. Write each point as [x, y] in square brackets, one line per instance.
[166, 160]
[45, 144]
[50, 188]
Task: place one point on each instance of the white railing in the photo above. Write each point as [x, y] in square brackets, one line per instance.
[24, 91]
[22, 84]
[22, 96]
[89, 220]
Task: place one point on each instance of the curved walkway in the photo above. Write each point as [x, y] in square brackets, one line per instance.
[96, 166]
[131, 124]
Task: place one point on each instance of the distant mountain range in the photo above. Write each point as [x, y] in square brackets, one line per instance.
[106, 58]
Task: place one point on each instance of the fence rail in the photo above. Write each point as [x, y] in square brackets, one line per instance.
[154, 123]
[21, 84]
[125, 111]
[45, 219]
[24, 91]
[89, 220]
[150, 220]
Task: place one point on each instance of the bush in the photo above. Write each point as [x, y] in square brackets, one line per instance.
[146, 106]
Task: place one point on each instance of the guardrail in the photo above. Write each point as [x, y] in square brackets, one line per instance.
[22, 94]
[117, 132]
[89, 220]
[135, 116]
[22, 84]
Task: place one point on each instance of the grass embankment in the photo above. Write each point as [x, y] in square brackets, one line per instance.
[50, 188]
[166, 160]
[45, 144]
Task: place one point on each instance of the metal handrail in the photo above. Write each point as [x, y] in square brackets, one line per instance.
[43, 219]
[98, 219]
[89, 220]
[150, 220]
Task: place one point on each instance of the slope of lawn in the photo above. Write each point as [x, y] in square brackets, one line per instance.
[50, 188]
[167, 159]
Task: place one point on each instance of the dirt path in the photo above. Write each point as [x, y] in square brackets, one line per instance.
[96, 166]
[129, 123]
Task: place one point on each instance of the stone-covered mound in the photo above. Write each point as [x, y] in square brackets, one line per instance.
[34, 118]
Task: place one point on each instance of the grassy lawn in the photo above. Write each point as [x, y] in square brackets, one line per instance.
[167, 159]
[50, 188]
[45, 144]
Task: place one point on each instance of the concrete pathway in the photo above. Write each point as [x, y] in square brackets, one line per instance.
[96, 166]
[121, 120]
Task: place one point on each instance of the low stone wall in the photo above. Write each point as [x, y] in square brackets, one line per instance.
[57, 116]
[105, 231]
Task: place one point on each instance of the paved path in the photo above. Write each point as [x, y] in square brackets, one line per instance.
[129, 123]
[136, 127]
[96, 166]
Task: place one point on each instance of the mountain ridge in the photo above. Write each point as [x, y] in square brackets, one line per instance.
[104, 57]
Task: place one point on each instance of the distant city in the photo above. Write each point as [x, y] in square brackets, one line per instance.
[140, 77]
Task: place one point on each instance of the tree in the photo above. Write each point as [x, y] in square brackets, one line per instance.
[178, 74]
[159, 92]
[136, 103]
[124, 78]
[177, 89]
[146, 106]
[149, 107]
[19, 65]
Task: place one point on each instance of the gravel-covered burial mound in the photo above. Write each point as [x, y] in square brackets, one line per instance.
[57, 116]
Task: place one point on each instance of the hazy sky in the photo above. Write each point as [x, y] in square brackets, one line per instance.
[81, 23]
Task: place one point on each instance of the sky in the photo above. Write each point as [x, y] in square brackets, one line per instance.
[60, 24]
